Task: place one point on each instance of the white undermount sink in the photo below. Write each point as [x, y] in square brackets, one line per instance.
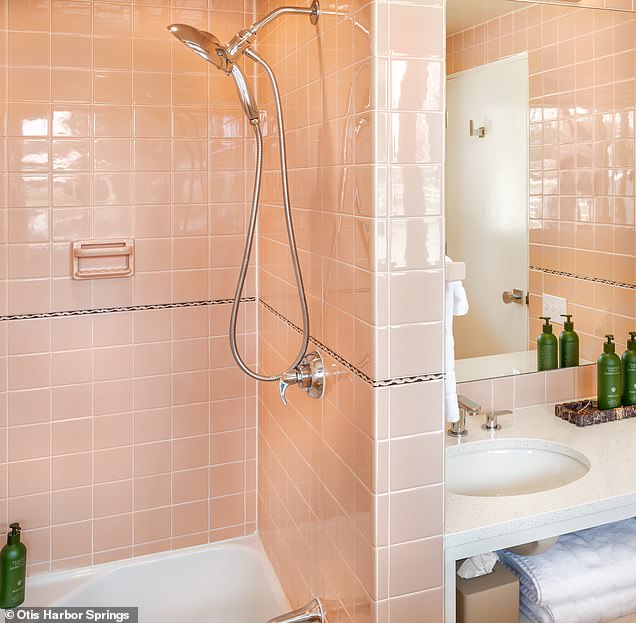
[503, 467]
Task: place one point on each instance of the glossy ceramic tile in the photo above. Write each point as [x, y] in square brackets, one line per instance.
[366, 179]
[118, 442]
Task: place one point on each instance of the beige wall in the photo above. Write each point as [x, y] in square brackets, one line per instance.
[582, 98]
[350, 493]
[132, 431]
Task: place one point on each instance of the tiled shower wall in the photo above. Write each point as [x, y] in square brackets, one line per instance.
[350, 494]
[582, 100]
[316, 458]
[125, 431]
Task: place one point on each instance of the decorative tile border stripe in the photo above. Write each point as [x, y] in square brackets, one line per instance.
[404, 380]
[561, 273]
[117, 310]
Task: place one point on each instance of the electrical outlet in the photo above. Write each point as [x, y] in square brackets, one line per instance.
[554, 306]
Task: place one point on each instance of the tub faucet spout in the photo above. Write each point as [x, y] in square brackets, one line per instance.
[311, 613]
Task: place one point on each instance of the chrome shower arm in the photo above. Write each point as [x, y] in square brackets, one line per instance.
[241, 42]
[313, 11]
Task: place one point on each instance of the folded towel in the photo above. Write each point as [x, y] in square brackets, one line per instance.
[587, 577]
[456, 305]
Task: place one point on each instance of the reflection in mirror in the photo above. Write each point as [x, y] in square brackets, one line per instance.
[540, 176]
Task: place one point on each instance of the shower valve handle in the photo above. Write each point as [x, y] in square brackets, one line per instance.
[309, 374]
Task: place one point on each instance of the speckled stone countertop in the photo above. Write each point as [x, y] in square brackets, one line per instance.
[610, 483]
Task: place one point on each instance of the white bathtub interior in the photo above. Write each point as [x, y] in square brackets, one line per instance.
[230, 582]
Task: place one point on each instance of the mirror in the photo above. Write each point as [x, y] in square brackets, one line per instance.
[540, 176]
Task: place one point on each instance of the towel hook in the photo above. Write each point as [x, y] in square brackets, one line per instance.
[479, 132]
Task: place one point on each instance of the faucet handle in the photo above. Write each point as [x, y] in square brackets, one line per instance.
[287, 379]
[309, 374]
[467, 405]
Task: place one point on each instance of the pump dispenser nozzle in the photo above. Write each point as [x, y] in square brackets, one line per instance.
[547, 327]
[568, 325]
[14, 535]
[609, 346]
[547, 348]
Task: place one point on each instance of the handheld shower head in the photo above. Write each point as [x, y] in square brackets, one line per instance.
[208, 47]
[225, 58]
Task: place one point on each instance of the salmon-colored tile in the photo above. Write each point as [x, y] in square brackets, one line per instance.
[71, 505]
[416, 461]
[71, 540]
[415, 566]
[189, 518]
[31, 510]
[71, 470]
[112, 498]
[226, 511]
[152, 525]
[112, 532]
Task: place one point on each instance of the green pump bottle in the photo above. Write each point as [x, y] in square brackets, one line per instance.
[609, 376]
[547, 348]
[12, 569]
[629, 371]
[568, 344]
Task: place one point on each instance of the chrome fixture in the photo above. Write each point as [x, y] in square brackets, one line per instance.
[466, 407]
[309, 375]
[514, 296]
[491, 421]
[225, 58]
[311, 613]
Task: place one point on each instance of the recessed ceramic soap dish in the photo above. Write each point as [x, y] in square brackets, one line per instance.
[587, 413]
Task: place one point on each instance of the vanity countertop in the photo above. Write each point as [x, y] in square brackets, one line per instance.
[610, 485]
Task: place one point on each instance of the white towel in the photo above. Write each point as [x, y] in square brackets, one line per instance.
[587, 577]
[456, 305]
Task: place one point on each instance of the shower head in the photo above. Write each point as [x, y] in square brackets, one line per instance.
[204, 44]
[224, 57]
[208, 47]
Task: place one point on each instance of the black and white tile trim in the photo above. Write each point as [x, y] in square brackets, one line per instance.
[404, 380]
[116, 310]
[560, 273]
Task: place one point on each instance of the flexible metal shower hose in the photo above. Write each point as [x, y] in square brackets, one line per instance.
[252, 230]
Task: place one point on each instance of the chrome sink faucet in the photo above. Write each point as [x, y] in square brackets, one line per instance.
[466, 407]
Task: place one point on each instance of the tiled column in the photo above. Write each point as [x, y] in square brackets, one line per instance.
[409, 98]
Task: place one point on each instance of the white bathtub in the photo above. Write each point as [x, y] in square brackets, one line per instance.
[231, 582]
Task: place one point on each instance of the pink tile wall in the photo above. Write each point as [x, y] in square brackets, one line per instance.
[121, 433]
[410, 461]
[350, 490]
[581, 157]
[528, 390]
[316, 458]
